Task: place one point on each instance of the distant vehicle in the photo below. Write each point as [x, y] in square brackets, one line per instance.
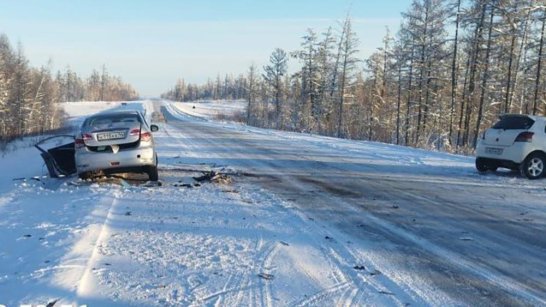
[516, 142]
[116, 142]
[124, 103]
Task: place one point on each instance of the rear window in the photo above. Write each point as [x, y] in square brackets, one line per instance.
[514, 123]
[116, 119]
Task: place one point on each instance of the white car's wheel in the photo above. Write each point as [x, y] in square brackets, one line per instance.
[533, 166]
[481, 165]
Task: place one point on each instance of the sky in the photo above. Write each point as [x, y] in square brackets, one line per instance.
[151, 44]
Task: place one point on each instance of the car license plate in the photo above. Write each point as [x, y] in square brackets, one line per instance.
[494, 151]
[112, 135]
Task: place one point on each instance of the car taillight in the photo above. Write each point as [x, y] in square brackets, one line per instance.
[134, 132]
[525, 137]
[78, 143]
[87, 137]
[146, 137]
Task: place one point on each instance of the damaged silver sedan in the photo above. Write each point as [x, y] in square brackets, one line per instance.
[107, 143]
[116, 142]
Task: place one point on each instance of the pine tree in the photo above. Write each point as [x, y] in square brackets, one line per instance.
[273, 74]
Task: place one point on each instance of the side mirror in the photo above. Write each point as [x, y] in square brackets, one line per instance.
[154, 128]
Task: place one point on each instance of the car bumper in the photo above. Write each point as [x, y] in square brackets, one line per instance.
[515, 153]
[89, 161]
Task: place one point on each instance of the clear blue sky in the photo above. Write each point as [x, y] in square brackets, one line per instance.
[151, 44]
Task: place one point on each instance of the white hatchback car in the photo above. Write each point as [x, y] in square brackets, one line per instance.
[516, 142]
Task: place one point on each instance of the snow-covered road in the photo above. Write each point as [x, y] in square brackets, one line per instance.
[305, 220]
[428, 221]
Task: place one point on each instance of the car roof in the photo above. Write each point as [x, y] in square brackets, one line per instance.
[117, 112]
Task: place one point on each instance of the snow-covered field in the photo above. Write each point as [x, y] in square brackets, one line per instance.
[302, 221]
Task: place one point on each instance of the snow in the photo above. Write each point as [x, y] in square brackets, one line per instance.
[211, 109]
[278, 234]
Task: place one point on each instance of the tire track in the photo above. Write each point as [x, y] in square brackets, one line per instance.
[85, 286]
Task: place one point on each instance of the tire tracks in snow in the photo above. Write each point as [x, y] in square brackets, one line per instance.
[85, 255]
[244, 287]
[347, 287]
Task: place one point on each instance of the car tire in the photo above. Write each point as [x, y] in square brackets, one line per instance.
[84, 175]
[533, 166]
[481, 165]
[152, 173]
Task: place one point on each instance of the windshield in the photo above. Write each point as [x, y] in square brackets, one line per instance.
[514, 123]
[111, 120]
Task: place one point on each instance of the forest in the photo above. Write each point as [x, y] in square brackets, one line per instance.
[447, 74]
[29, 96]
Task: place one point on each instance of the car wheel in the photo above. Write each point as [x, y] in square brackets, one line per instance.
[84, 175]
[152, 173]
[481, 165]
[533, 166]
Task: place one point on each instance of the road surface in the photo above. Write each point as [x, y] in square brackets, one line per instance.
[427, 230]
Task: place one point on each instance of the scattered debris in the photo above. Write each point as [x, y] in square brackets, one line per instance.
[266, 276]
[52, 303]
[214, 177]
[207, 176]
[185, 183]
[386, 292]
[375, 272]
[151, 184]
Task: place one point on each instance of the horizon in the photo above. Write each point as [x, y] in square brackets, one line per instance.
[152, 45]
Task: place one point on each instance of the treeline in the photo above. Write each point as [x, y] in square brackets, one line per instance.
[99, 86]
[451, 69]
[29, 95]
[221, 88]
